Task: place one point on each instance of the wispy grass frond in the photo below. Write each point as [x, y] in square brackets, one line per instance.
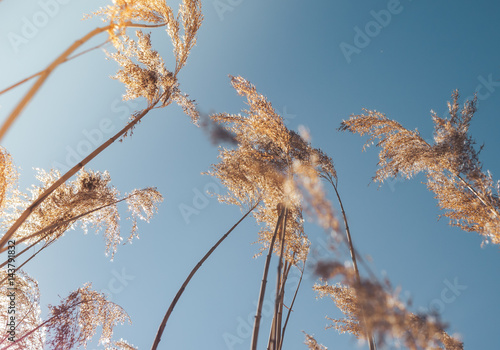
[74, 322]
[375, 306]
[148, 77]
[468, 195]
[8, 179]
[312, 344]
[26, 304]
[262, 165]
[73, 200]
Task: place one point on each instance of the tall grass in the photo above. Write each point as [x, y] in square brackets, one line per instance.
[271, 172]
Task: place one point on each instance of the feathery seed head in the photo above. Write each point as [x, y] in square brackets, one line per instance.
[74, 322]
[262, 168]
[454, 173]
[90, 199]
[370, 305]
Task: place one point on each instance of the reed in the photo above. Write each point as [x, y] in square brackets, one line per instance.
[269, 171]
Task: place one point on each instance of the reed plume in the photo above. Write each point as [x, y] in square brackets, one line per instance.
[468, 195]
[312, 344]
[8, 179]
[75, 321]
[27, 311]
[383, 314]
[75, 202]
[261, 168]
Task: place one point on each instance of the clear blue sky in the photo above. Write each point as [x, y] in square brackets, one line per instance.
[318, 62]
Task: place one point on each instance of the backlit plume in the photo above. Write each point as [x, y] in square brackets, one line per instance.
[261, 168]
[148, 78]
[89, 200]
[156, 13]
[8, 178]
[469, 196]
[27, 309]
[75, 320]
[142, 69]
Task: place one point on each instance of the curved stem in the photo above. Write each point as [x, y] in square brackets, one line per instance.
[348, 234]
[193, 271]
[40, 72]
[290, 309]
[368, 334]
[44, 75]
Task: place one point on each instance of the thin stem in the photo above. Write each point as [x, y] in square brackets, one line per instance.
[348, 234]
[193, 271]
[40, 72]
[368, 334]
[43, 76]
[291, 305]
[35, 254]
[139, 25]
[256, 326]
[53, 239]
[22, 81]
[46, 244]
[279, 316]
[280, 285]
[275, 334]
[22, 252]
[31, 257]
[64, 222]
[479, 196]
